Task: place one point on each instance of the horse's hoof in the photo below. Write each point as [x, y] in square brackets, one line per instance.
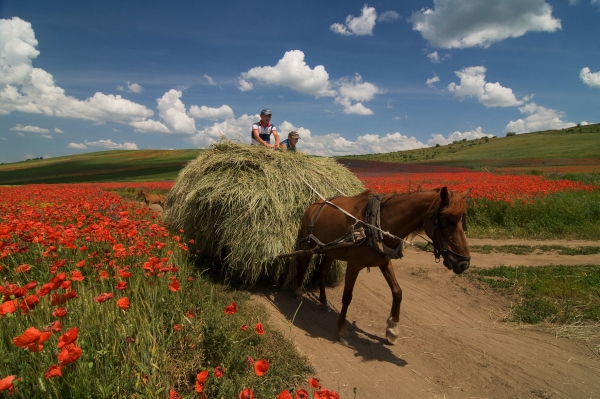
[325, 307]
[346, 341]
[391, 336]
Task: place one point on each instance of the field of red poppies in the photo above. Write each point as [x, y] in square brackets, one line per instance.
[98, 299]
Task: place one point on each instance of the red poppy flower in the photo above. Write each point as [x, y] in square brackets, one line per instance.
[83, 248]
[54, 327]
[284, 395]
[6, 384]
[333, 395]
[81, 263]
[244, 327]
[261, 367]
[219, 371]
[174, 286]
[29, 303]
[201, 380]
[246, 394]
[190, 314]
[23, 268]
[249, 360]
[177, 327]
[59, 312]
[301, 394]
[174, 395]
[322, 394]
[125, 274]
[123, 303]
[231, 308]
[103, 297]
[69, 354]
[76, 276]
[121, 285]
[313, 382]
[53, 371]
[69, 337]
[38, 345]
[260, 329]
[8, 307]
[30, 336]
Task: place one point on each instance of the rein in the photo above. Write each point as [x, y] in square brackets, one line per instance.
[441, 220]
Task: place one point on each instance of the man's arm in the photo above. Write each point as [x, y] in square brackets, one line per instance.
[276, 137]
[257, 138]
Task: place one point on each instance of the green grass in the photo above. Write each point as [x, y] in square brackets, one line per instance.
[134, 165]
[528, 249]
[569, 214]
[571, 143]
[554, 294]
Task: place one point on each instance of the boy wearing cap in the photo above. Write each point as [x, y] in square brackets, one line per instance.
[290, 142]
[261, 131]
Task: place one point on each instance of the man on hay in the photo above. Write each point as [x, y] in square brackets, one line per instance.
[263, 129]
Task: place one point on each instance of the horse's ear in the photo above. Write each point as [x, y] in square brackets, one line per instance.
[445, 196]
[466, 194]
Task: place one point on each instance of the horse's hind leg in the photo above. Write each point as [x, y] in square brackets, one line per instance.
[302, 266]
[324, 266]
[352, 271]
[391, 332]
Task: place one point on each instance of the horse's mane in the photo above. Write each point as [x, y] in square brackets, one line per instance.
[457, 205]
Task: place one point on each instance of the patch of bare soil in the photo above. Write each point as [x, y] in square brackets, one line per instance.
[452, 341]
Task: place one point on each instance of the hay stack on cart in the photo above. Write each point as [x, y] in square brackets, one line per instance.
[247, 201]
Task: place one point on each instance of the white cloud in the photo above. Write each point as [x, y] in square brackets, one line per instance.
[431, 81]
[470, 23]
[349, 108]
[590, 78]
[29, 129]
[57, 130]
[357, 90]
[291, 71]
[232, 128]
[388, 16]
[473, 84]
[173, 113]
[210, 80]
[20, 134]
[457, 136]
[46, 136]
[359, 26]
[244, 85]
[108, 144]
[149, 126]
[223, 112]
[134, 88]
[434, 57]
[32, 90]
[540, 118]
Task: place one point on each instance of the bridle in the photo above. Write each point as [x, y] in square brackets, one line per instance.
[440, 220]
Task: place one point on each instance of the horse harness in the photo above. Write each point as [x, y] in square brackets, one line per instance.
[441, 220]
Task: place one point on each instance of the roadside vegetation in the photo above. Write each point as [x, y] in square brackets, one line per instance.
[529, 249]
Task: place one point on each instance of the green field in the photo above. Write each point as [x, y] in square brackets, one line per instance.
[576, 149]
[537, 149]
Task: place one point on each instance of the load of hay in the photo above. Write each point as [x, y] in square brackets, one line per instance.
[243, 204]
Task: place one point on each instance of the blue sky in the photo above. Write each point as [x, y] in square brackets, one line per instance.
[350, 77]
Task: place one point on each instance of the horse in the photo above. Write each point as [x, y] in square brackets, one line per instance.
[440, 213]
[150, 199]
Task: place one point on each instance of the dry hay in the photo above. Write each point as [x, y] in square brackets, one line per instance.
[247, 201]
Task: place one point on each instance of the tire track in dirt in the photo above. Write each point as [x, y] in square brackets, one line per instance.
[452, 343]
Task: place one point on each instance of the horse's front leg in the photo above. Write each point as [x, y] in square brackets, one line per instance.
[302, 262]
[391, 332]
[324, 266]
[352, 270]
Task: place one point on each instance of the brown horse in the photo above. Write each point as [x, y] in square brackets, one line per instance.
[437, 212]
[150, 199]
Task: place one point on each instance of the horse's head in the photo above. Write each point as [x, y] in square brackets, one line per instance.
[140, 194]
[446, 228]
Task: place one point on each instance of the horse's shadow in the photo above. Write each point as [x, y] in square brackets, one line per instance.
[308, 316]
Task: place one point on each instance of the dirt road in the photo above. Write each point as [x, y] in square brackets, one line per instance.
[452, 343]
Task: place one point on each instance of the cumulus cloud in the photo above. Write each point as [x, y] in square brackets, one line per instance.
[431, 81]
[57, 130]
[590, 78]
[244, 85]
[149, 126]
[210, 80]
[471, 23]
[27, 89]
[30, 129]
[388, 16]
[359, 26]
[539, 118]
[473, 84]
[173, 113]
[232, 128]
[223, 112]
[434, 57]
[134, 88]
[46, 136]
[293, 72]
[108, 144]
[457, 136]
